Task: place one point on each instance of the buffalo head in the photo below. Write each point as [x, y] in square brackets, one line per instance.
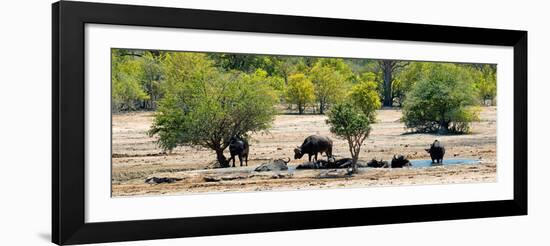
[298, 153]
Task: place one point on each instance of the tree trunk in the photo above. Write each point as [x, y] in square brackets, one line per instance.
[388, 97]
[300, 109]
[321, 107]
[443, 127]
[354, 158]
[221, 158]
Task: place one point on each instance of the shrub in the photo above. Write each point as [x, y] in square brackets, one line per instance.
[442, 101]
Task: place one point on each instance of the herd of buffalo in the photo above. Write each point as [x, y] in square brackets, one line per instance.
[315, 144]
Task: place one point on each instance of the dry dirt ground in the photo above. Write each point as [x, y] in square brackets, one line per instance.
[136, 157]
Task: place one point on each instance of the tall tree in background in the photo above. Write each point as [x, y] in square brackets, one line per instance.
[405, 79]
[284, 66]
[126, 76]
[486, 83]
[388, 68]
[331, 78]
[152, 78]
[364, 96]
[300, 91]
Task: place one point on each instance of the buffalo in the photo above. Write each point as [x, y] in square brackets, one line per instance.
[377, 163]
[400, 161]
[238, 147]
[313, 145]
[437, 151]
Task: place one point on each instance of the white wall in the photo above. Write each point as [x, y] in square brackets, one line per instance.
[25, 121]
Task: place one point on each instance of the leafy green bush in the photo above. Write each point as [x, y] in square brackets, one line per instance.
[443, 100]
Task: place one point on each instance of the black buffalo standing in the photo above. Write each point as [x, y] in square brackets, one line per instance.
[238, 147]
[313, 145]
[437, 151]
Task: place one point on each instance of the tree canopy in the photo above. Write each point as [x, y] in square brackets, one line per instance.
[365, 97]
[349, 122]
[300, 91]
[443, 100]
[206, 107]
[331, 78]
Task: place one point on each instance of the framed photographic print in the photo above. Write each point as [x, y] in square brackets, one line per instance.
[175, 122]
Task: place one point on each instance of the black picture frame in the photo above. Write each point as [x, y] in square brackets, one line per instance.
[68, 172]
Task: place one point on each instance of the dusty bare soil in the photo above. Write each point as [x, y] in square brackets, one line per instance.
[136, 157]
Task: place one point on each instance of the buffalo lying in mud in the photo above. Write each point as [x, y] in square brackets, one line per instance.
[314, 145]
[377, 163]
[437, 151]
[273, 165]
[156, 180]
[400, 161]
[331, 164]
[238, 147]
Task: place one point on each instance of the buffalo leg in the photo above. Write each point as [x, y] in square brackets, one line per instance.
[241, 159]
[246, 159]
[233, 158]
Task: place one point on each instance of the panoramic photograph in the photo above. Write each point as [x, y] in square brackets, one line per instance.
[201, 122]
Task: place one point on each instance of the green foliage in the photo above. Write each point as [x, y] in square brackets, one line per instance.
[284, 66]
[126, 77]
[300, 91]
[152, 77]
[206, 108]
[331, 78]
[486, 83]
[443, 100]
[183, 70]
[365, 97]
[247, 63]
[349, 122]
[275, 82]
[406, 79]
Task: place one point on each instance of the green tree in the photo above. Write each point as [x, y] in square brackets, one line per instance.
[331, 78]
[349, 122]
[181, 70]
[405, 80]
[442, 101]
[299, 91]
[275, 82]
[206, 108]
[388, 69]
[152, 77]
[486, 83]
[284, 66]
[126, 76]
[365, 97]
